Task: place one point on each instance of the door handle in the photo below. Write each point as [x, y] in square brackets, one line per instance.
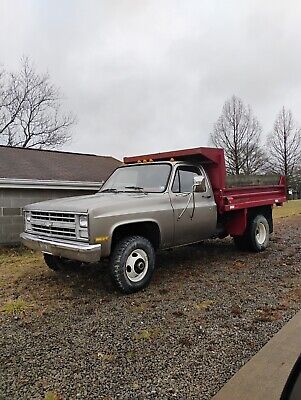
[207, 197]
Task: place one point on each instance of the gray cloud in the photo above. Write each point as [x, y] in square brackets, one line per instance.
[151, 75]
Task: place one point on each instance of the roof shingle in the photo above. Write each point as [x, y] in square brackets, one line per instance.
[22, 163]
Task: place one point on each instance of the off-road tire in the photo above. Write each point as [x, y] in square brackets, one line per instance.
[118, 260]
[60, 264]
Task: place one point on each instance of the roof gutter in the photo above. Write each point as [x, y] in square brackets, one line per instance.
[8, 183]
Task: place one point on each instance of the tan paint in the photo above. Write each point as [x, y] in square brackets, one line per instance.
[107, 211]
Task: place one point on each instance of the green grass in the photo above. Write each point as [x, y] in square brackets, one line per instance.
[51, 396]
[15, 307]
[203, 305]
[27, 285]
[289, 209]
[17, 261]
[147, 334]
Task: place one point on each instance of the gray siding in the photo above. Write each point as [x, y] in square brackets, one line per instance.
[11, 202]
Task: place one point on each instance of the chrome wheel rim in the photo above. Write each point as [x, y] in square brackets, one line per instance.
[261, 233]
[136, 265]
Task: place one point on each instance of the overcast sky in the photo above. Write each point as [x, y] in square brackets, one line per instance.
[152, 75]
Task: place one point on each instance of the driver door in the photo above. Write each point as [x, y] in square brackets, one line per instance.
[193, 220]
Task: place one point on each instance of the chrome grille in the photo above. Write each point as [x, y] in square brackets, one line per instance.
[53, 224]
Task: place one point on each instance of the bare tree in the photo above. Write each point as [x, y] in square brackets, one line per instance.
[30, 110]
[238, 132]
[253, 156]
[295, 181]
[284, 145]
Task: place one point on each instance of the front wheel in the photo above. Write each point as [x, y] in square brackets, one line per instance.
[132, 264]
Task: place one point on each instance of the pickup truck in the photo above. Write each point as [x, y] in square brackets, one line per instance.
[152, 202]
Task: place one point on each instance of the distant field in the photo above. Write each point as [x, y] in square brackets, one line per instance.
[291, 208]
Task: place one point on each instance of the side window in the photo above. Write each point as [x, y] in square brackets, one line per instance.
[183, 181]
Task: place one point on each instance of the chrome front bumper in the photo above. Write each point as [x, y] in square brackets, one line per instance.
[72, 250]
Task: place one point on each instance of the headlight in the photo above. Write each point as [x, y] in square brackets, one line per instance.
[27, 216]
[83, 221]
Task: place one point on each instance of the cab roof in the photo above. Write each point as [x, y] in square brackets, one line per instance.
[212, 159]
[206, 155]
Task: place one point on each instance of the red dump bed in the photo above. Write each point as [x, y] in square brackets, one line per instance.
[213, 161]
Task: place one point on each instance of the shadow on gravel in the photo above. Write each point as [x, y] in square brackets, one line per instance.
[204, 253]
[175, 267]
[171, 265]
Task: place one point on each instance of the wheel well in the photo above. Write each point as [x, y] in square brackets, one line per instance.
[266, 211]
[149, 230]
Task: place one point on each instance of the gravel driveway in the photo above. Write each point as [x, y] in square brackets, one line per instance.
[208, 310]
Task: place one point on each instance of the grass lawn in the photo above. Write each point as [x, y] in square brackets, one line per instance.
[290, 208]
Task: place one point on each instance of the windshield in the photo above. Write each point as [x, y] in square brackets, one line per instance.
[151, 178]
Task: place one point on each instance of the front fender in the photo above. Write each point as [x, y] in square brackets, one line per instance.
[106, 235]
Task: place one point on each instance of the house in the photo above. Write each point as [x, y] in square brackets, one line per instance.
[30, 175]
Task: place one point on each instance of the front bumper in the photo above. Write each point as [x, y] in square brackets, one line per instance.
[84, 252]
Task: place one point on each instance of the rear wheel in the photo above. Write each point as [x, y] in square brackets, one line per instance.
[256, 236]
[59, 263]
[132, 264]
[259, 233]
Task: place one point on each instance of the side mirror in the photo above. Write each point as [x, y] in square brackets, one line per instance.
[199, 184]
[292, 388]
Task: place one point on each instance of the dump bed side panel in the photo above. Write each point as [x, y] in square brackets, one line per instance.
[230, 199]
[236, 205]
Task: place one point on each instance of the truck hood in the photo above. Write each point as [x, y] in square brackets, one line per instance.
[83, 204]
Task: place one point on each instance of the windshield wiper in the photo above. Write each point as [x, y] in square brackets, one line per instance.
[136, 188]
